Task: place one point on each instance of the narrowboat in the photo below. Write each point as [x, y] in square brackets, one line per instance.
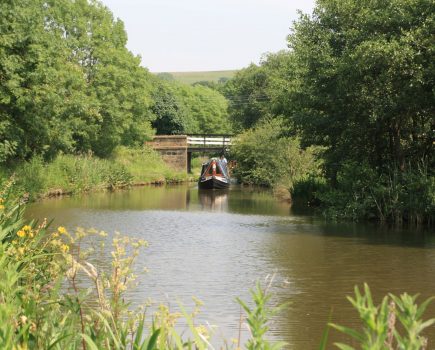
[214, 175]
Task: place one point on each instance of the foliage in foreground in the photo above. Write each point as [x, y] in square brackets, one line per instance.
[52, 297]
[397, 323]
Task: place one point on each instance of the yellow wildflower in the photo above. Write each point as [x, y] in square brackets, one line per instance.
[21, 250]
[61, 230]
[2, 206]
[64, 248]
[27, 228]
[21, 233]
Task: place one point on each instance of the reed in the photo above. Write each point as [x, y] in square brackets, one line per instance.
[69, 174]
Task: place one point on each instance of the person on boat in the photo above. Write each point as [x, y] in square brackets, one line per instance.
[223, 159]
[224, 164]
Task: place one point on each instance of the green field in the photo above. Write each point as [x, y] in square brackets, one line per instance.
[193, 77]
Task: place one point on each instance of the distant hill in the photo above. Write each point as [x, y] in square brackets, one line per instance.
[193, 77]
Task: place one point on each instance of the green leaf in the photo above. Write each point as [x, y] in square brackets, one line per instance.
[153, 340]
[343, 346]
[325, 334]
[349, 331]
[90, 342]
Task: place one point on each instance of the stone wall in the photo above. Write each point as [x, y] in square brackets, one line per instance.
[173, 149]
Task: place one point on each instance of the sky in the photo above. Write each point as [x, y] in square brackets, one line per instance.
[204, 35]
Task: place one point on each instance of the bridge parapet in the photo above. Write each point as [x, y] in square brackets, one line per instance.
[173, 149]
[168, 141]
[209, 141]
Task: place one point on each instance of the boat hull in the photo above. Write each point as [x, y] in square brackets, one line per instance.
[213, 183]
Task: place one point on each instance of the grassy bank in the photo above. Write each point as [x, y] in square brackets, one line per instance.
[69, 174]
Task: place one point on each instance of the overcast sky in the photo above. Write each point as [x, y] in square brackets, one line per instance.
[196, 35]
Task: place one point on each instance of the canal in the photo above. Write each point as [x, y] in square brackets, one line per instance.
[214, 246]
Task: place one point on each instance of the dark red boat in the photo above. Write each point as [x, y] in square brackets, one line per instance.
[214, 175]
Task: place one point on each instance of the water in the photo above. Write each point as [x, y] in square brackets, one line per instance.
[215, 245]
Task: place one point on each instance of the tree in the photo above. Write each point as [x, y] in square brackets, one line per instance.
[166, 76]
[67, 81]
[366, 75]
[40, 89]
[207, 109]
[113, 75]
[170, 116]
[184, 109]
[363, 87]
[260, 92]
[247, 96]
[266, 157]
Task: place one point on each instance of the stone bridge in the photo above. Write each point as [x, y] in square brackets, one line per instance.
[176, 150]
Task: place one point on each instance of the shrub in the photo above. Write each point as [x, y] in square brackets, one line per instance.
[307, 189]
[266, 157]
[394, 196]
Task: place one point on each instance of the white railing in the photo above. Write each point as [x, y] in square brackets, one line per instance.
[208, 141]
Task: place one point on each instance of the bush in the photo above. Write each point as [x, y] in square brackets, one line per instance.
[266, 157]
[307, 189]
[393, 196]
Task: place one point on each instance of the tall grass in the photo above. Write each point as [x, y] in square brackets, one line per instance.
[146, 166]
[68, 174]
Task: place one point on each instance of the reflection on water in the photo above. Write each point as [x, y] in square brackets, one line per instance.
[216, 200]
[214, 245]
